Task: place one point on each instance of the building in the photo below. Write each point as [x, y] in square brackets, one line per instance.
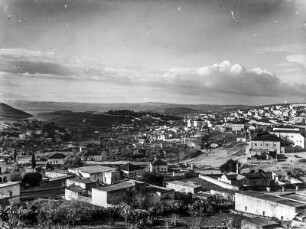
[156, 194]
[83, 183]
[56, 159]
[9, 191]
[4, 173]
[281, 207]
[292, 135]
[131, 170]
[92, 156]
[265, 143]
[234, 179]
[107, 175]
[113, 194]
[79, 189]
[158, 166]
[184, 186]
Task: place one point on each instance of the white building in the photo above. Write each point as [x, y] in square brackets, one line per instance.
[185, 187]
[292, 135]
[56, 159]
[159, 166]
[285, 207]
[107, 175]
[10, 191]
[265, 143]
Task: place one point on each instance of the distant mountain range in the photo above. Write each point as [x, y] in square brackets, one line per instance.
[34, 107]
[10, 113]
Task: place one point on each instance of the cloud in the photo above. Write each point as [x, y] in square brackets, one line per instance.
[298, 59]
[222, 78]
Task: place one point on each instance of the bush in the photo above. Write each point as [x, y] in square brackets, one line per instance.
[31, 179]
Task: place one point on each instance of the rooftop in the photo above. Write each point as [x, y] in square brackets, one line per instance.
[10, 183]
[95, 169]
[130, 167]
[118, 186]
[159, 162]
[266, 137]
[154, 188]
[57, 156]
[277, 199]
[84, 180]
[186, 183]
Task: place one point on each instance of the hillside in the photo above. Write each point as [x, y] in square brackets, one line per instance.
[35, 107]
[10, 113]
[96, 120]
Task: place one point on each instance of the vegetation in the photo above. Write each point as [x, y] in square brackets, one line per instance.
[153, 178]
[229, 166]
[31, 179]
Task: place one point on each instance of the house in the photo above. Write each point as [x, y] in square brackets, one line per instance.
[267, 205]
[265, 143]
[92, 156]
[234, 179]
[259, 179]
[114, 194]
[4, 173]
[156, 194]
[56, 159]
[184, 186]
[79, 189]
[158, 166]
[83, 183]
[107, 175]
[9, 191]
[292, 135]
[130, 170]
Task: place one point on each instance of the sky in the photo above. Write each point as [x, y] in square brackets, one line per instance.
[172, 51]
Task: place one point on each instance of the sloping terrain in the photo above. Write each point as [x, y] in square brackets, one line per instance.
[35, 107]
[10, 113]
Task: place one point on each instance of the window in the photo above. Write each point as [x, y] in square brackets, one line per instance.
[11, 193]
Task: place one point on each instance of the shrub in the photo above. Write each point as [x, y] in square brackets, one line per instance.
[31, 179]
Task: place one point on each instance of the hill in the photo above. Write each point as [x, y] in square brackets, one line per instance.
[97, 120]
[10, 113]
[35, 107]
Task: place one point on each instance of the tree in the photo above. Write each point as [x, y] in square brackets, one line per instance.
[33, 161]
[153, 178]
[229, 166]
[31, 179]
[73, 161]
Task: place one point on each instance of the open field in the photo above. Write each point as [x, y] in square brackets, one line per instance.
[294, 161]
[216, 157]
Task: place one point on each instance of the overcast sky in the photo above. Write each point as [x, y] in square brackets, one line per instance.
[188, 51]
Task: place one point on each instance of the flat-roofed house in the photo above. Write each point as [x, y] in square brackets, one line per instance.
[107, 175]
[9, 191]
[156, 194]
[79, 189]
[113, 194]
[131, 170]
[184, 186]
[281, 207]
[265, 143]
[292, 135]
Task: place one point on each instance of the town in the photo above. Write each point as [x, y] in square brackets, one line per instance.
[235, 168]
